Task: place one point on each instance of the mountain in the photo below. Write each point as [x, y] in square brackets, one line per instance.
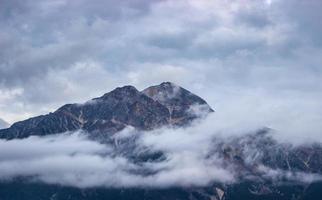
[264, 167]
[178, 101]
[3, 124]
[162, 105]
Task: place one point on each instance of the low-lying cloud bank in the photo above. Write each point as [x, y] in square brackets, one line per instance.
[93, 167]
[188, 158]
[73, 159]
[69, 159]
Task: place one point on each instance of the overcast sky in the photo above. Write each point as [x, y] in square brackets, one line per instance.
[256, 58]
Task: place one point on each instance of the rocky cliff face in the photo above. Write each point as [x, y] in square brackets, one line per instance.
[162, 105]
[182, 105]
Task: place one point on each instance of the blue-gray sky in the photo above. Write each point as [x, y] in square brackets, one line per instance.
[247, 57]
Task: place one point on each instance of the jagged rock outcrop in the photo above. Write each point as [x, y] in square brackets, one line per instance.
[182, 104]
[156, 106]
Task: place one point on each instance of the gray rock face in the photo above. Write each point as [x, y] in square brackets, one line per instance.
[156, 106]
[249, 151]
[182, 104]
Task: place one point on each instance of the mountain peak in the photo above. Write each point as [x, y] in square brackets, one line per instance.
[179, 101]
[166, 104]
[168, 84]
[163, 92]
[126, 88]
[120, 92]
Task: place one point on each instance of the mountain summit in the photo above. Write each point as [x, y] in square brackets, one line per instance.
[166, 104]
[178, 101]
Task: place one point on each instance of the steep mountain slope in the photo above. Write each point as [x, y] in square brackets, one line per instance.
[124, 106]
[180, 102]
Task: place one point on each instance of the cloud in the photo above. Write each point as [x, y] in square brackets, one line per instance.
[74, 160]
[258, 63]
[278, 175]
[166, 157]
[258, 60]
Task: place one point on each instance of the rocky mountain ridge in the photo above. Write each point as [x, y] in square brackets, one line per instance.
[162, 105]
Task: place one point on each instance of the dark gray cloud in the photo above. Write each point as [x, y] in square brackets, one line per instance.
[257, 58]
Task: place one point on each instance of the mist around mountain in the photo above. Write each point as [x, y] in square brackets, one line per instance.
[3, 124]
[164, 105]
[160, 143]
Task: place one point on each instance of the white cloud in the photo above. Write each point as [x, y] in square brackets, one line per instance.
[256, 63]
[72, 159]
[189, 156]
